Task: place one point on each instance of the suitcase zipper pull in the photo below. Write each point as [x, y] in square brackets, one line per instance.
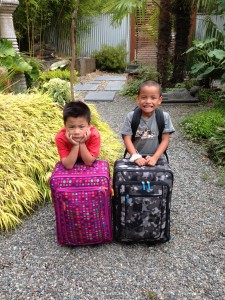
[143, 186]
[148, 187]
[127, 199]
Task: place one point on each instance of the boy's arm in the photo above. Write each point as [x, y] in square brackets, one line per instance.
[70, 160]
[131, 150]
[86, 156]
[152, 160]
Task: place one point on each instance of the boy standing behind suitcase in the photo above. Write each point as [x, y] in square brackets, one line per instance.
[78, 139]
[145, 148]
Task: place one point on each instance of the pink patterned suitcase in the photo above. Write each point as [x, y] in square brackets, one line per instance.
[82, 203]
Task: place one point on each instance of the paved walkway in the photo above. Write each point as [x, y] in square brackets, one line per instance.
[101, 88]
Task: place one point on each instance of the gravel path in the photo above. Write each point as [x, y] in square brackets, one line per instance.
[191, 266]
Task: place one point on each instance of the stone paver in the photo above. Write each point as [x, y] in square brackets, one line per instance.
[86, 87]
[114, 86]
[117, 78]
[100, 96]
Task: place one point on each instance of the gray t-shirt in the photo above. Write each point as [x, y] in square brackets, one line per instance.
[146, 138]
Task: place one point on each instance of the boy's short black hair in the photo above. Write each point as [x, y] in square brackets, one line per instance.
[76, 109]
[149, 83]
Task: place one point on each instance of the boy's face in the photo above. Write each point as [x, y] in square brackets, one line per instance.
[149, 99]
[76, 127]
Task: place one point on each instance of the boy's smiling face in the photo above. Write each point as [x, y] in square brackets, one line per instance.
[76, 127]
[148, 100]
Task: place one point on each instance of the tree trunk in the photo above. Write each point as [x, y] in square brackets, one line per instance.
[73, 49]
[164, 39]
[183, 13]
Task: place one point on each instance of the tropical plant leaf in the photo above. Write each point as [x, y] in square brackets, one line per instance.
[217, 53]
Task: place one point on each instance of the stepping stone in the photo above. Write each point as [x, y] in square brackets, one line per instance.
[114, 86]
[107, 77]
[95, 81]
[100, 96]
[86, 87]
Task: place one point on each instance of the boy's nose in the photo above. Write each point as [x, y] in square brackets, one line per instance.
[76, 130]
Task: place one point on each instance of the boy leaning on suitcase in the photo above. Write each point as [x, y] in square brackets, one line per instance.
[145, 147]
[78, 140]
[80, 183]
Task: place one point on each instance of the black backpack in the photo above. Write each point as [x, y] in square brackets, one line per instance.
[159, 120]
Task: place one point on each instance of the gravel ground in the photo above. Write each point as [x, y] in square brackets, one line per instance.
[190, 266]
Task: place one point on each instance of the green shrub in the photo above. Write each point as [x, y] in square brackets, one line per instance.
[202, 125]
[131, 88]
[58, 73]
[28, 125]
[112, 59]
[216, 149]
[207, 59]
[187, 84]
[142, 74]
[59, 90]
[32, 75]
[216, 98]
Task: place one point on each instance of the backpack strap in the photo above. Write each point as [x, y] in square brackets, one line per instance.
[136, 120]
[161, 125]
[134, 124]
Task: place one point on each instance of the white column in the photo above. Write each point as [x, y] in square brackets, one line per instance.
[7, 31]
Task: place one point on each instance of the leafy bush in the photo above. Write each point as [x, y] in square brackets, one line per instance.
[32, 75]
[217, 98]
[208, 59]
[142, 74]
[58, 73]
[112, 59]
[216, 149]
[59, 90]
[13, 63]
[187, 84]
[202, 125]
[28, 125]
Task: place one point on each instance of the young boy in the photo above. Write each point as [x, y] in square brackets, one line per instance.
[78, 139]
[146, 149]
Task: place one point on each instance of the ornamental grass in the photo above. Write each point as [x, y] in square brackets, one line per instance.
[28, 124]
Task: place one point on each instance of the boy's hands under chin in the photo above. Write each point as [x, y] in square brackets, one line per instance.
[70, 138]
[80, 140]
[86, 136]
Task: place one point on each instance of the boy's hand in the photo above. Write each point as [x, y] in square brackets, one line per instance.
[86, 136]
[151, 161]
[70, 139]
[140, 161]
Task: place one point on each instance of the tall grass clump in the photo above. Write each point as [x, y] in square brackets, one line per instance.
[28, 124]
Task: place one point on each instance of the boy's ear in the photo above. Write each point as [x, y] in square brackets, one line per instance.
[136, 98]
[160, 99]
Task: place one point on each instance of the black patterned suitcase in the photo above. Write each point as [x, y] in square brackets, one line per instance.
[141, 202]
